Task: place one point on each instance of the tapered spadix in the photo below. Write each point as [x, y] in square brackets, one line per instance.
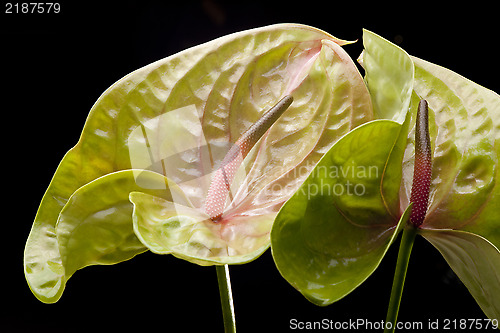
[422, 167]
[223, 177]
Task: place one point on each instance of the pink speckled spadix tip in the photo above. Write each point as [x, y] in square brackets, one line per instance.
[422, 169]
[223, 177]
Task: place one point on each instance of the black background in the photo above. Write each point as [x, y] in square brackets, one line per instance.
[54, 68]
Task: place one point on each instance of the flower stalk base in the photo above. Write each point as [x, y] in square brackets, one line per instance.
[226, 298]
[405, 248]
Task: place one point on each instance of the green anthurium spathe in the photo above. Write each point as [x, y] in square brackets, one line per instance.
[208, 95]
[462, 219]
[347, 220]
[475, 260]
[333, 233]
[463, 210]
[389, 76]
[94, 227]
[465, 134]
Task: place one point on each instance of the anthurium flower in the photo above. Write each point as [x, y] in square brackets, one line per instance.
[158, 136]
[326, 242]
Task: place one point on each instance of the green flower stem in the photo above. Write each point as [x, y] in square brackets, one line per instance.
[405, 248]
[226, 298]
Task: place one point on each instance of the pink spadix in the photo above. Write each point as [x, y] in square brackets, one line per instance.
[223, 177]
[422, 169]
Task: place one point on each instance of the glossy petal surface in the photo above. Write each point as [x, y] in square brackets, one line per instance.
[95, 227]
[327, 240]
[389, 77]
[464, 124]
[169, 228]
[476, 261]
